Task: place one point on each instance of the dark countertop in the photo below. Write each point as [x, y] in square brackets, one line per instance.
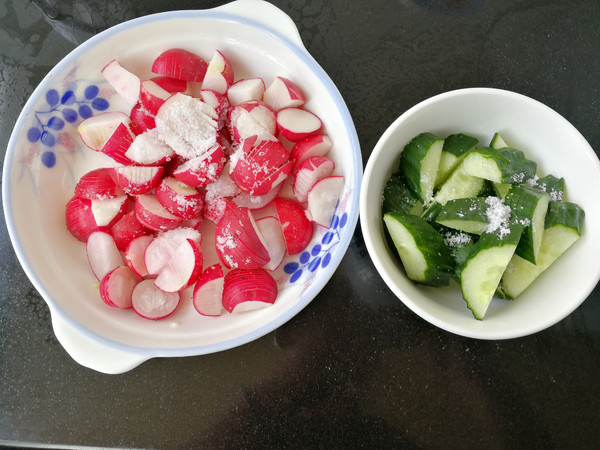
[356, 368]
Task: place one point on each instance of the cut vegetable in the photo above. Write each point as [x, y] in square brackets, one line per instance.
[505, 165]
[180, 64]
[419, 163]
[313, 145]
[308, 172]
[246, 89]
[127, 228]
[117, 286]
[297, 228]
[125, 83]
[219, 74]
[456, 146]
[271, 230]
[149, 302]
[134, 254]
[297, 123]
[153, 215]
[247, 290]
[323, 198]
[465, 214]
[397, 197]
[103, 254]
[208, 291]
[283, 93]
[459, 185]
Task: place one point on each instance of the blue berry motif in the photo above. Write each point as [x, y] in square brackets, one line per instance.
[62, 109]
[320, 254]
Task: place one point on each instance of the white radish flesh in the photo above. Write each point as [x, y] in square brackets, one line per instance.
[323, 198]
[102, 253]
[125, 83]
[117, 286]
[208, 291]
[96, 130]
[150, 302]
[134, 254]
[283, 93]
[308, 173]
[153, 215]
[272, 233]
[219, 75]
[297, 123]
[246, 89]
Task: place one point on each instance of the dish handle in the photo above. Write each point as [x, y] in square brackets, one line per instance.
[92, 354]
[267, 15]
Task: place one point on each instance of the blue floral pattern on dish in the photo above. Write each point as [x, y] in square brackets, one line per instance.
[319, 255]
[62, 109]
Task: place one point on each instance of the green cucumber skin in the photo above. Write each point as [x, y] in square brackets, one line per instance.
[512, 164]
[411, 163]
[555, 187]
[397, 197]
[431, 245]
[465, 214]
[456, 146]
[568, 214]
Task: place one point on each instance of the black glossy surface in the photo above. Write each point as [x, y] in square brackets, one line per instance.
[356, 368]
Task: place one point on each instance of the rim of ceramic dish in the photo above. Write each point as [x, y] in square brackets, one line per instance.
[315, 287]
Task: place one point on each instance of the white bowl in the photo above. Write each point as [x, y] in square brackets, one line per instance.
[545, 137]
[260, 40]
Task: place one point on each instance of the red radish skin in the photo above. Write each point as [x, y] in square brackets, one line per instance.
[171, 85]
[283, 93]
[118, 144]
[136, 180]
[272, 233]
[134, 254]
[297, 228]
[242, 125]
[297, 123]
[117, 286]
[308, 173]
[149, 302]
[208, 291]
[80, 219]
[246, 89]
[248, 289]
[95, 130]
[202, 170]
[125, 83]
[179, 199]
[153, 215]
[323, 198]
[262, 113]
[141, 120]
[314, 145]
[237, 241]
[180, 64]
[219, 74]
[98, 184]
[152, 96]
[102, 253]
[126, 229]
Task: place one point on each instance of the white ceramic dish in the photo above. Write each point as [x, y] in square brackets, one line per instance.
[42, 166]
[545, 137]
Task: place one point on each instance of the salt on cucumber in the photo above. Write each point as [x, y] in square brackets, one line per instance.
[563, 227]
[419, 163]
[465, 214]
[454, 149]
[425, 257]
[397, 197]
[528, 207]
[555, 187]
[504, 165]
[483, 269]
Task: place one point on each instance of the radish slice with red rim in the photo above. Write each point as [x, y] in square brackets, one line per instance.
[149, 302]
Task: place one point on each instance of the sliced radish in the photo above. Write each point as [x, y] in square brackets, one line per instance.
[187, 124]
[117, 145]
[179, 199]
[117, 286]
[108, 212]
[153, 215]
[152, 96]
[176, 258]
[98, 184]
[149, 302]
[308, 172]
[134, 254]
[323, 198]
[127, 228]
[202, 170]
[246, 89]
[79, 218]
[297, 228]
[171, 85]
[141, 119]
[102, 253]
[125, 83]
[149, 149]
[272, 233]
[208, 291]
[219, 74]
[313, 145]
[243, 124]
[253, 202]
[96, 130]
[218, 101]
[297, 123]
[180, 64]
[248, 289]
[137, 180]
[238, 242]
[283, 93]
[216, 206]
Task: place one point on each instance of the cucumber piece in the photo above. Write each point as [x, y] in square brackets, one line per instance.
[505, 165]
[497, 141]
[529, 207]
[555, 187]
[455, 148]
[431, 213]
[460, 245]
[419, 163]
[501, 189]
[465, 214]
[459, 185]
[397, 197]
[481, 273]
[563, 227]
[425, 257]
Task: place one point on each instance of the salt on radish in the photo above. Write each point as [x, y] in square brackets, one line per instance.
[219, 74]
[95, 130]
[150, 302]
[102, 253]
[202, 170]
[297, 123]
[246, 89]
[178, 198]
[134, 254]
[243, 125]
[297, 228]
[98, 184]
[283, 93]
[124, 82]
[313, 145]
[149, 149]
[117, 286]
[207, 296]
[180, 64]
[136, 180]
[248, 290]
[153, 215]
[323, 198]
[272, 232]
[308, 172]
